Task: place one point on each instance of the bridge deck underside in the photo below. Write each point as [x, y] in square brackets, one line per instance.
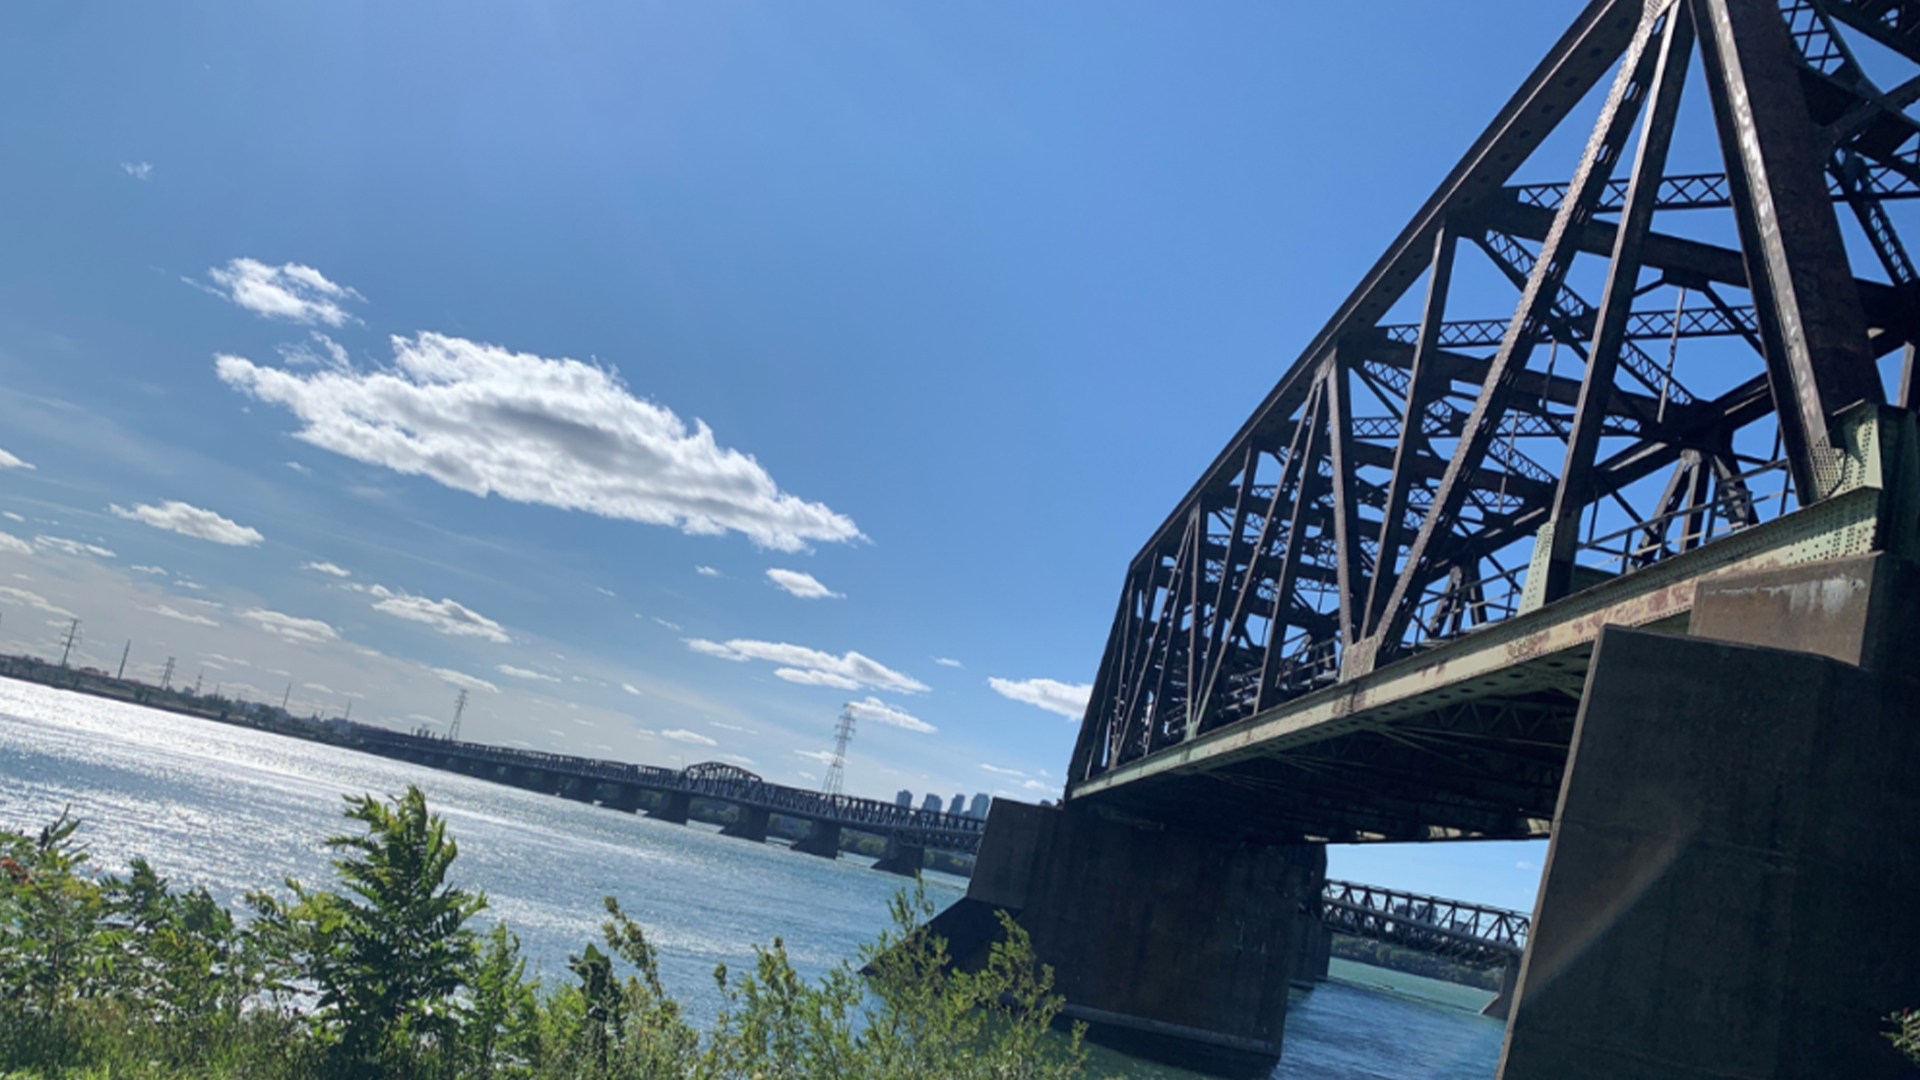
[1465, 741]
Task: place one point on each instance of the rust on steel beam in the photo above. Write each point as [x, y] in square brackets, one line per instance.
[1811, 320]
[1576, 488]
[1549, 272]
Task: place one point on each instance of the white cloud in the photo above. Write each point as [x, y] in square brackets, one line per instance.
[160, 570]
[1068, 700]
[946, 661]
[447, 616]
[465, 681]
[192, 521]
[631, 689]
[665, 623]
[71, 547]
[707, 571]
[879, 712]
[293, 628]
[327, 568]
[803, 665]
[603, 591]
[318, 688]
[139, 170]
[236, 661]
[11, 516]
[1001, 771]
[732, 727]
[183, 616]
[12, 595]
[290, 291]
[10, 542]
[804, 586]
[824, 757]
[691, 737]
[299, 468]
[745, 762]
[8, 461]
[805, 677]
[524, 673]
[559, 433]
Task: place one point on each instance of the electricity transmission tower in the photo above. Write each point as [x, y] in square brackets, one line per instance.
[459, 707]
[122, 673]
[67, 640]
[842, 735]
[166, 677]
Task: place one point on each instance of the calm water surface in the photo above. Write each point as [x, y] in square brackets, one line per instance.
[236, 810]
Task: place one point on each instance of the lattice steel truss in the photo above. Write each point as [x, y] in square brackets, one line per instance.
[1411, 480]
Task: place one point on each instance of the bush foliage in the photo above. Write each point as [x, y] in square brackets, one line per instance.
[384, 975]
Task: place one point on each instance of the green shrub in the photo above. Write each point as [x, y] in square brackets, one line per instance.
[382, 976]
[1906, 1033]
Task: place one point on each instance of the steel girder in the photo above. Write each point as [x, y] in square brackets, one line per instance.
[1409, 481]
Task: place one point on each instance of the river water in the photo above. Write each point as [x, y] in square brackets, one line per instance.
[236, 809]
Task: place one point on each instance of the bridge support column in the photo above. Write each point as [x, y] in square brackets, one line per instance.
[903, 859]
[673, 807]
[622, 797]
[1727, 891]
[822, 839]
[1170, 945]
[1312, 950]
[1501, 1007]
[752, 825]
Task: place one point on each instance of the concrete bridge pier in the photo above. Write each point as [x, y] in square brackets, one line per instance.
[752, 824]
[622, 797]
[1157, 965]
[1501, 1007]
[673, 807]
[575, 788]
[822, 839]
[1728, 891]
[1312, 948]
[903, 859]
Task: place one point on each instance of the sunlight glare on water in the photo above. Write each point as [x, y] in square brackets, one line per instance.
[235, 810]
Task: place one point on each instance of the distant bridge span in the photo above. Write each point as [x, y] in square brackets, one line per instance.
[621, 785]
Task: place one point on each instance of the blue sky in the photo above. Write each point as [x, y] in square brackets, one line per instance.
[669, 375]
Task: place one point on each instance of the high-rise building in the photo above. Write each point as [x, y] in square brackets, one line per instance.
[980, 804]
[905, 798]
[932, 803]
[959, 804]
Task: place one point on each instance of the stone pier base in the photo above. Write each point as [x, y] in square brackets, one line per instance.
[903, 859]
[822, 839]
[752, 825]
[673, 807]
[1732, 890]
[1175, 946]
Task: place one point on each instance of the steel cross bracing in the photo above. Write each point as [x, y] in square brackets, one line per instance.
[1471, 934]
[1421, 473]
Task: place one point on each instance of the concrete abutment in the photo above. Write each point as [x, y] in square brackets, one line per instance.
[751, 825]
[822, 839]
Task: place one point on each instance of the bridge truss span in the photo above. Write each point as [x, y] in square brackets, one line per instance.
[1368, 618]
[1471, 934]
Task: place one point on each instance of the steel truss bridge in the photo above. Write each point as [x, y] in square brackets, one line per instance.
[618, 784]
[1369, 619]
[1470, 934]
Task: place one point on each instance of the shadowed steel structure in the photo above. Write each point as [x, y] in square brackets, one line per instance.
[1371, 616]
[1473, 934]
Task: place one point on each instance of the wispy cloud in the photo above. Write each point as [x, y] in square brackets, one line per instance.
[159, 571]
[184, 616]
[879, 712]
[10, 542]
[291, 627]
[465, 681]
[447, 616]
[524, 673]
[327, 568]
[665, 623]
[707, 571]
[11, 595]
[560, 433]
[1066, 699]
[692, 738]
[1003, 772]
[71, 547]
[631, 689]
[804, 586]
[8, 461]
[187, 520]
[812, 667]
[824, 757]
[946, 661]
[289, 291]
[139, 170]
